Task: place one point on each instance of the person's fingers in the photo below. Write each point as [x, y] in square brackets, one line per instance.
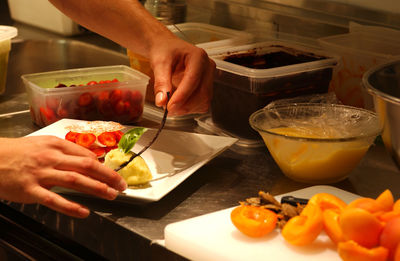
[65, 146]
[162, 82]
[93, 169]
[192, 73]
[200, 97]
[78, 182]
[56, 202]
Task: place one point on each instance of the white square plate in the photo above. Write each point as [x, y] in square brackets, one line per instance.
[172, 158]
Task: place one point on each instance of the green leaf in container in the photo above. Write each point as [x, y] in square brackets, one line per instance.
[130, 138]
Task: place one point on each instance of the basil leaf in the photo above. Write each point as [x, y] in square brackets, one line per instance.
[129, 139]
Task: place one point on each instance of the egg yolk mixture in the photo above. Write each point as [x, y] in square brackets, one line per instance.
[313, 161]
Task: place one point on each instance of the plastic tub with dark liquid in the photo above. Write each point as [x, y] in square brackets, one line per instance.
[250, 76]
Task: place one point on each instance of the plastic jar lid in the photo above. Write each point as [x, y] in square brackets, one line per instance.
[7, 32]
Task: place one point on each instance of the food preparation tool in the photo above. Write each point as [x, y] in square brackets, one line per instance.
[152, 141]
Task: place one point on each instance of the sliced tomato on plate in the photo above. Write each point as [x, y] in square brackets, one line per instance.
[85, 139]
[110, 148]
[107, 139]
[71, 136]
[118, 134]
[99, 151]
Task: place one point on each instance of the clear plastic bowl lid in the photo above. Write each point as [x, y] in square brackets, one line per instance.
[316, 121]
[7, 32]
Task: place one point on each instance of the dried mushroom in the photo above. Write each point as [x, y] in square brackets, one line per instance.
[285, 211]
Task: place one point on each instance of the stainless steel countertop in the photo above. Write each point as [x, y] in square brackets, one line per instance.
[124, 231]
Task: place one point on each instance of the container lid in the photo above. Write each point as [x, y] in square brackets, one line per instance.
[205, 122]
[362, 43]
[45, 81]
[151, 112]
[324, 59]
[7, 32]
[208, 36]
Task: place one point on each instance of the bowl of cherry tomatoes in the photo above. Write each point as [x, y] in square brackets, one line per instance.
[95, 93]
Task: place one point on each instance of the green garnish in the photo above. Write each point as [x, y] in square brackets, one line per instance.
[130, 138]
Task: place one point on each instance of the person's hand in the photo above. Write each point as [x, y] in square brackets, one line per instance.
[187, 71]
[31, 166]
[178, 66]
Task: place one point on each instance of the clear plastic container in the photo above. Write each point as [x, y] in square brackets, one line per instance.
[359, 52]
[209, 36]
[97, 93]
[6, 33]
[240, 90]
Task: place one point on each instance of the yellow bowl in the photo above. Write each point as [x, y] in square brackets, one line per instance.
[316, 143]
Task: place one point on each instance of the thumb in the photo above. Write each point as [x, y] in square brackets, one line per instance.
[162, 83]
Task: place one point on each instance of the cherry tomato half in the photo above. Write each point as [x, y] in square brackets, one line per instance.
[253, 221]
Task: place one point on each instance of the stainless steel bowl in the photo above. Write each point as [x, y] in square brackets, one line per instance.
[383, 83]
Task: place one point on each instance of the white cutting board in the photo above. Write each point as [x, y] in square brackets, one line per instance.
[213, 237]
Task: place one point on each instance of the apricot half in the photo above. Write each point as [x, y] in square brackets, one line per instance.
[305, 228]
[390, 237]
[327, 201]
[360, 226]
[332, 226]
[351, 251]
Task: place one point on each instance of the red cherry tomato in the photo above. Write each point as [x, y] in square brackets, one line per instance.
[136, 97]
[53, 103]
[115, 96]
[62, 112]
[91, 83]
[85, 99]
[119, 107]
[47, 115]
[253, 221]
[104, 95]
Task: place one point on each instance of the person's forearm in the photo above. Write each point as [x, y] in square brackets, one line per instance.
[123, 21]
